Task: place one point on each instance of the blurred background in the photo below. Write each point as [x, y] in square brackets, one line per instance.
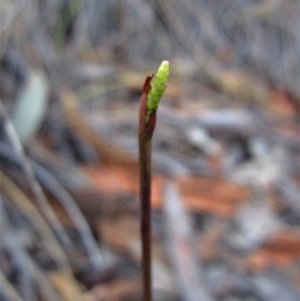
[226, 164]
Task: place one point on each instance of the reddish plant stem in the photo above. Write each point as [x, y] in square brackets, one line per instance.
[145, 137]
[145, 196]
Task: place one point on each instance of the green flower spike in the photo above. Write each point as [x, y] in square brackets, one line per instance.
[149, 102]
[159, 85]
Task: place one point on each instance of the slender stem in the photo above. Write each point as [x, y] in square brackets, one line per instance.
[145, 196]
[145, 135]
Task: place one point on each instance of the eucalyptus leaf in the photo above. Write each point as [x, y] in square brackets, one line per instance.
[31, 106]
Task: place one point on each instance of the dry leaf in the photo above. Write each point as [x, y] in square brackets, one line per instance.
[213, 196]
[282, 249]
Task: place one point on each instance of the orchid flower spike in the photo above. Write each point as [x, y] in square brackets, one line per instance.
[159, 85]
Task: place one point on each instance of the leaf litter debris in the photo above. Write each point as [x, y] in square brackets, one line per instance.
[226, 167]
